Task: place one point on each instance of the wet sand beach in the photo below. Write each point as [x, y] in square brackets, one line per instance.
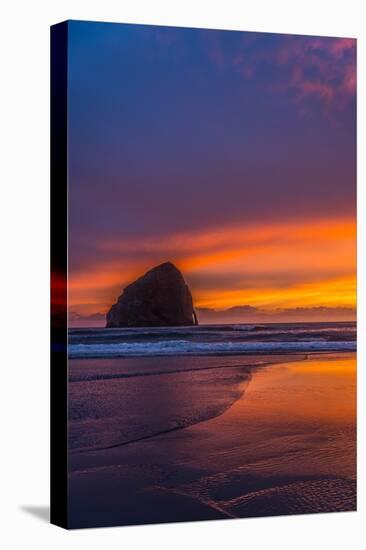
[211, 437]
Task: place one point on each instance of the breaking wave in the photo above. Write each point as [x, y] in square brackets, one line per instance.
[183, 347]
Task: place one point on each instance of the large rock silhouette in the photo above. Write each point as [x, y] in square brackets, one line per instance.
[160, 298]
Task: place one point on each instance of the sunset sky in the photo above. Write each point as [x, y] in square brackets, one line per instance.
[230, 154]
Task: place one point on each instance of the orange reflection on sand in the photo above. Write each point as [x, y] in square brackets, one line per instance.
[319, 389]
[295, 419]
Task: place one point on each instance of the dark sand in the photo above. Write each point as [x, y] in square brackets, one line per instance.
[236, 441]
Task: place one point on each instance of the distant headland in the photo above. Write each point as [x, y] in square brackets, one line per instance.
[158, 298]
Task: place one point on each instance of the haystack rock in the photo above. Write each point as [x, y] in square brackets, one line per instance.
[160, 298]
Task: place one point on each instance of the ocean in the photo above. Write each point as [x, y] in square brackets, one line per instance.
[207, 422]
[212, 340]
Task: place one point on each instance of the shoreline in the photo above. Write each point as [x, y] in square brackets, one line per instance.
[245, 370]
[264, 352]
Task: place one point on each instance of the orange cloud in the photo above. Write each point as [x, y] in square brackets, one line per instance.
[337, 292]
[281, 265]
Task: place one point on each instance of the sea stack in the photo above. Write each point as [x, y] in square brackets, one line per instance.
[160, 298]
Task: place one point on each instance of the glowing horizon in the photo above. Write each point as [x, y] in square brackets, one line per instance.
[279, 267]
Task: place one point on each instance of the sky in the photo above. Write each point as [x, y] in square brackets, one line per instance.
[231, 154]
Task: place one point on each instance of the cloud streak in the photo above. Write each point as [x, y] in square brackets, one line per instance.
[279, 264]
[309, 68]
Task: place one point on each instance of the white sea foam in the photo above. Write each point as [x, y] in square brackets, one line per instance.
[183, 347]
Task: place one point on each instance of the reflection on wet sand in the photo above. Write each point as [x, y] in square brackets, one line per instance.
[286, 446]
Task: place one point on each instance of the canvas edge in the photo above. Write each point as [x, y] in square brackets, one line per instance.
[59, 200]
